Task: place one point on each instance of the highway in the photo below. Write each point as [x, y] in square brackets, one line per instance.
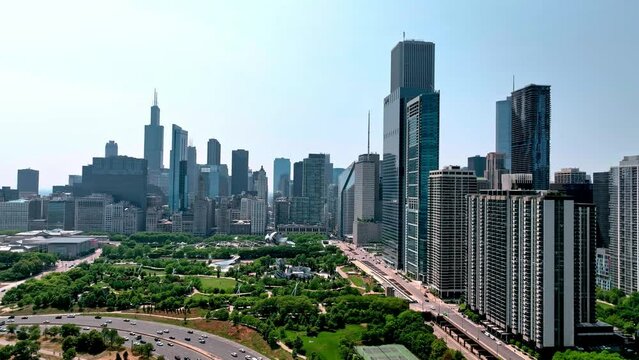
[430, 303]
[60, 266]
[214, 347]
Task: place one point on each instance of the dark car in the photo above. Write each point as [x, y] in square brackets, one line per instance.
[190, 331]
[24, 317]
[98, 317]
[59, 317]
[156, 339]
[177, 357]
[12, 317]
[187, 338]
[142, 342]
[172, 337]
[138, 337]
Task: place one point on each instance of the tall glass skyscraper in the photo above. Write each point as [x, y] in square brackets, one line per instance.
[179, 139]
[239, 171]
[154, 139]
[281, 176]
[213, 152]
[412, 74]
[314, 186]
[503, 123]
[530, 142]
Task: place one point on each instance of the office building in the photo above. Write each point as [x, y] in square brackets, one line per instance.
[601, 198]
[346, 202]
[422, 157]
[218, 180]
[203, 209]
[412, 74]
[298, 177]
[477, 164]
[503, 130]
[281, 211]
[299, 213]
[154, 139]
[314, 186]
[527, 268]
[239, 171]
[214, 149]
[570, 176]
[153, 217]
[530, 142]
[223, 216]
[111, 149]
[61, 214]
[517, 182]
[258, 215]
[179, 139]
[28, 180]
[192, 174]
[603, 269]
[260, 184]
[281, 177]
[366, 202]
[336, 173]
[624, 221]
[446, 243]
[123, 177]
[495, 168]
[75, 179]
[90, 212]
[14, 215]
[8, 194]
[123, 218]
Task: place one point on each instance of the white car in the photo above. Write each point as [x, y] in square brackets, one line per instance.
[109, 321]
[133, 323]
[166, 331]
[159, 343]
[86, 328]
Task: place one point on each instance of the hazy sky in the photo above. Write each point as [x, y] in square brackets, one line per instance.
[285, 78]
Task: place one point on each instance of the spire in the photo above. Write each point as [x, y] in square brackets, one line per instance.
[155, 97]
[368, 148]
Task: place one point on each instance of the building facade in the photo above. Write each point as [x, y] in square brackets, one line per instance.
[495, 168]
[601, 198]
[570, 176]
[298, 178]
[281, 177]
[28, 182]
[179, 140]
[111, 149]
[503, 130]
[314, 186]
[239, 169]
[477, 164]
[213, 153]
[90, 212]
[154, 139]
[366, 201]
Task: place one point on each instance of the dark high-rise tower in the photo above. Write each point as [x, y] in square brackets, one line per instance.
[477, 164]
[298, 177]
[154, 138]
[531, 134]
[281, 176]
[28, 181]
[213, 152]
[239, 171]
[412, 74]
[179, 139]
[503, 132]
[111, 149]
[314, 186]
[601, 198]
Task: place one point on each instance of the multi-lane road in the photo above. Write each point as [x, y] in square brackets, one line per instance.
[183, 343]
[423, 301]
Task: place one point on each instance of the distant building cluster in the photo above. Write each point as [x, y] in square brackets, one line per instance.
[65, 244]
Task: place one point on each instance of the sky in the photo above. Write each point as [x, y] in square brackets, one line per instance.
[288, 78]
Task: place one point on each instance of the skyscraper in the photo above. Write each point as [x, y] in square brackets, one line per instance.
[495, 168]
[192, 173]
[477, 164]
[422, 157]
[601, 198]
[366, 202]
[260, 182]
[239, 171]
[111, 149]
[570, 176]
[281, 176]
[298, 177]
[527, 267]
[412, 74]
[346, 201]
[28, 182]
[179, 139]
[314, 186]
[530, 142]
[154, 139]
[503, 130]
[213, 152]
[624, 220]
[447, 244]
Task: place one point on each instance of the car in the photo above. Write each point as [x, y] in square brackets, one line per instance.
[133, 323]
[138, 337]
[190, 331]
[156, 339]
[498, 342]
[170, 344]
[242, 350]
[86, 328]
[24, 317]
[142, 342]
[58, 317]
[187, 339]
[204, 336]
[137, 343]
[132, 333]
[487, 333]
[177, 357]
[159, 343]
[126, 338]
[109, 321]
[234, 354]
[104, 324]
[11, 317]
[172, 337]
[201, 341]
[126, 320]
[98, 317]
[71, 316]
[166, 331]
[45, 322]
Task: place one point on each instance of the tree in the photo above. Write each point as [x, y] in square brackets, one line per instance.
[144, 351]
[34, 333]
[117, 356]
[6, 352]
[298, 343]
[218, 270]
[11, 328]
[125, 355]
[438, 348]
[23, 333]
[69, 330]
[26, 350]
[69, 354]
[69, 342]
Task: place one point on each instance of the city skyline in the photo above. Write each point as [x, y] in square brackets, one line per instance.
[200, 101]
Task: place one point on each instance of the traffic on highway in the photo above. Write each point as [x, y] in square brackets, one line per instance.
[170, 341]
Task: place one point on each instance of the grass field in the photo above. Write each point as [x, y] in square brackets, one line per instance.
[357, 280]
[326, 344]
[209, 283]
[148, 271]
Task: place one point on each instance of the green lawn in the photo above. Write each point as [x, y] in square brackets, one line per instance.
[208, 283]
[326, 344]
[357, 280]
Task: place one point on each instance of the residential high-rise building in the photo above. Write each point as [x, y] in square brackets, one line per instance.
[447, 242]
[111, 149]
[624, 221]
[570, 176]
[260, 184]
[179, 140]
[528, 272]
[503, 130]
[192, 174]
[90, 212]
[314, 186]
[601, 198]
[366, 202]
[412, 74]
[28, 181]
[477, 164]
[603, 269]
[530, 142]
[298, 177]
[214, 150]
[422, 157]
[495, 168]
[123, 177]
[239, 171]
[281, 177]
[123, 218]
[154, 139]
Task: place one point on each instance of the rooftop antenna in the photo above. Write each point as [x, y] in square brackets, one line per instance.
[155, 97]
[403, 35]
[368, 147]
